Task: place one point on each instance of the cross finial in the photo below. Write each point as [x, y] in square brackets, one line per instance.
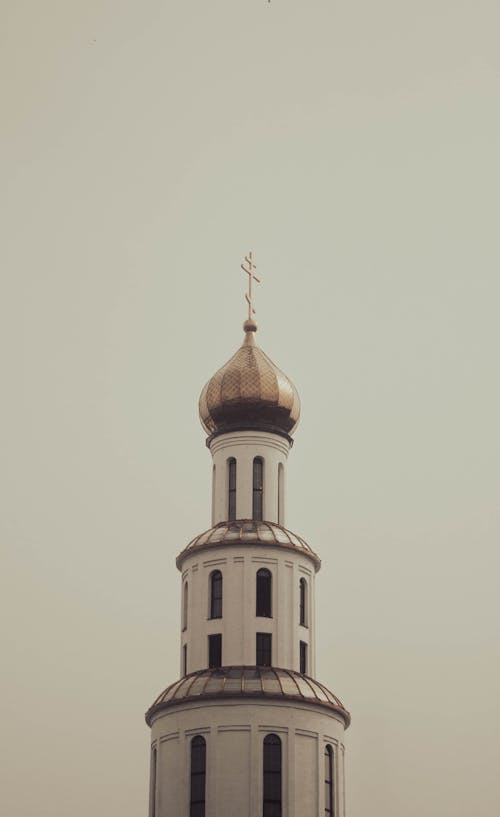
[249, 269]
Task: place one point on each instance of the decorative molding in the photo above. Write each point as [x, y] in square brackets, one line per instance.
[247, 438]
[279, 730]
[219, 560]
[307, 733]
[169, 736]
[201, 730]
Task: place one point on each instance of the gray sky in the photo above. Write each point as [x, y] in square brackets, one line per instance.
[354, 147]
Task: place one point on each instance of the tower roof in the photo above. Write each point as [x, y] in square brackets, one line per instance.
[248, 682]
[249, 392]
[249, 532]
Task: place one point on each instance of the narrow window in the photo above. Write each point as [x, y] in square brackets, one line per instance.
[231, 481]
[329, 792]
[213, 494]
[303, 657]
[215, 651]
[264, 593]
[184, 659]
[258, 488]
[198, 775]
[264, 650]
[272, 777]
[152, 790]
[303, 601]
[216, 594]
[185, 606]
[281, 494]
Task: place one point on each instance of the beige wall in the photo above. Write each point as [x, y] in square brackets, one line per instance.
[239, 623]
[244, 446]
[234, 732]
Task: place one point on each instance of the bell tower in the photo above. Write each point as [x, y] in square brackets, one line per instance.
[247, 730]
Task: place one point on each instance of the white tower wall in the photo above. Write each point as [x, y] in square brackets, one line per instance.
[234, 733]
[244, 446]
[239, 623]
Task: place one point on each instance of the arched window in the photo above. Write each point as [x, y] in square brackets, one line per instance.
[185, 606]
[152, 791]
[216, 594]
[258, 488]
[264, 593]
[198, 775]
[231, 489]
[281, 494]
[303, 602]
[329, 790]
[272, 777]
[213, 494]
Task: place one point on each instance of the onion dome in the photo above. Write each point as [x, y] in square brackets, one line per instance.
[248, 682]
[249, 393]
[248, 532]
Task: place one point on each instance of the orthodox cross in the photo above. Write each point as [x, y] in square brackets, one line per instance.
[251, 277]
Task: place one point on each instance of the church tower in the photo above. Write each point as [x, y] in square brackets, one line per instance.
[248, 731]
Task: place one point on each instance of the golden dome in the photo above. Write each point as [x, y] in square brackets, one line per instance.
[249, 392]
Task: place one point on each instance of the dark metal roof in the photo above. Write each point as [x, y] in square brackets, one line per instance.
[248, 682]
[249, 532]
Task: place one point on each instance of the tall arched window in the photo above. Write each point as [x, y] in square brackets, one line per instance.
[198, 776]
[258, 489]
[264, 593]
[185, 606]
[152, 791]
[216, 594]
[213, 494]
[281, 494]
[231, 489]
[329, 790]
[303, 602]
[272, 777]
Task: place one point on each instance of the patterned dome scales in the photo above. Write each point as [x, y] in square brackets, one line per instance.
[249, 392]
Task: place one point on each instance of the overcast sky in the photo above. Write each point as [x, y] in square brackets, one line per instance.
[354, 147]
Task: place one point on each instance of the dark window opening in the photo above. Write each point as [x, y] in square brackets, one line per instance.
[258, 489]
[272, 777]
[329, 791]
[184, 659]
[185, 607]
[281, 479]
[302, 602]
[215, 651]
[153, 784]
[264, 650]
[264, 592]
[231, 510]
[303, 657]
[216, 594]
[198, 777]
